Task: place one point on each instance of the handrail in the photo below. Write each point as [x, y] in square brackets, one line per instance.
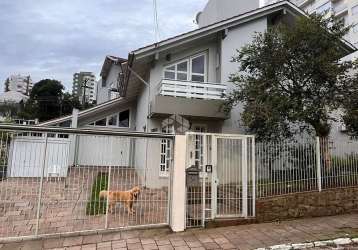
[81, 131]
[201, 90]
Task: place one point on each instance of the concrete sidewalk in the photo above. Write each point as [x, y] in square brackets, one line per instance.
[236, 237]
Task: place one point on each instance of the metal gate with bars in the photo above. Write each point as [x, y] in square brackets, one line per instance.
[220, 181]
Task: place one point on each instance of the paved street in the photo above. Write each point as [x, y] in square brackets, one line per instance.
[236, 237]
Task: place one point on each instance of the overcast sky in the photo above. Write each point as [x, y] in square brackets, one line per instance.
[56, 38]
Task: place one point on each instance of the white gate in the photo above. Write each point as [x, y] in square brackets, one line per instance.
[222, 184]
[27, 151]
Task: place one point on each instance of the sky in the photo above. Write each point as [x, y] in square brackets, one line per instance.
[56, 38]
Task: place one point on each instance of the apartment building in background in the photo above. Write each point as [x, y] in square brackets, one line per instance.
[84, 87]
[346, 9]
[19, 83]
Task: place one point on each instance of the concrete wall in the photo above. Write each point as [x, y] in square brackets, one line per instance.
[236, 38]
[218, 10]
[104, 93]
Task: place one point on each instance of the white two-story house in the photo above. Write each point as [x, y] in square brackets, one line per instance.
[178, 84]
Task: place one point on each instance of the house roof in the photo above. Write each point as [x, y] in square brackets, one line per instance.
[232, 21]
[108, 61]
[87, 112]
[12, 97]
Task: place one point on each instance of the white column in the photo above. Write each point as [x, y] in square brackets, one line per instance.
[177, 222]
[73, 146]
[318, 163]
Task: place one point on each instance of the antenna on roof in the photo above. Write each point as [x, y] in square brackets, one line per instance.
[156, 25]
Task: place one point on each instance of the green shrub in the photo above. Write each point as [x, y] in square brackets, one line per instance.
[95, 205]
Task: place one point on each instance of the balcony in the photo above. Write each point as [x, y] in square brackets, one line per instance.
[191, 99]
[198, 90]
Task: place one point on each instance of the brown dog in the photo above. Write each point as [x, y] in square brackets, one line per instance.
[127, 197]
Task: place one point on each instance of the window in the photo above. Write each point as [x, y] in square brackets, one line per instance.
[123, 121]
[191, 69]
[165, 152]
[113, 120]
[100, 123]
[355, 10]
[120, 120]
[198, 69]
[178, 71]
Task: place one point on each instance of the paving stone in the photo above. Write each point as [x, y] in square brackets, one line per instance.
[152, 246]
[166, 247]
[211, 245]
[147, 241]
[162, 242]
[104, 244]
[134, 246]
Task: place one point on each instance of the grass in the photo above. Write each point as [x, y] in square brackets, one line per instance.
[95, 205]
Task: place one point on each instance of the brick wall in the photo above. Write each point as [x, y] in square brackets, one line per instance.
[310, 204]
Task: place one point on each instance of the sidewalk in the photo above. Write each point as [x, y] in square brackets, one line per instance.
[237, 237]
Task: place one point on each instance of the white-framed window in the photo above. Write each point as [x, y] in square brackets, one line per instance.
[190, 69]
[165, 152]
[119, 120]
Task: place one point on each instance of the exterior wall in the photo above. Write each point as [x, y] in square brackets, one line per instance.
[156, 75]
[104, 88]
[235, 39]
[311, 204]
[218, 10]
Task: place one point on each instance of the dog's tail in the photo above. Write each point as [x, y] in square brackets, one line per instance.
[103, 194]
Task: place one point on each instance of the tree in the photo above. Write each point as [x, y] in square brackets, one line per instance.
[350, 103]
[68, 103]
[291, 78]
[45, 98]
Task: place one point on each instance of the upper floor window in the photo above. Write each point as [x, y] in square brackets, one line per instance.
[191, 69]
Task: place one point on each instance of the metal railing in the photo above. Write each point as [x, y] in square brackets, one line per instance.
[188, 89]
[305, 165]
[51, 180]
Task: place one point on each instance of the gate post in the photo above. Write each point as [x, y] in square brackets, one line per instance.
[318, 163]
[177, 220]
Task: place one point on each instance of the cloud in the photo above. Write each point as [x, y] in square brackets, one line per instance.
[54, 39]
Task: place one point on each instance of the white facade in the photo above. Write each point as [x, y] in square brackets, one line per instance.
[85, 84]
[346, 9]
[218, 10]
[19, 83]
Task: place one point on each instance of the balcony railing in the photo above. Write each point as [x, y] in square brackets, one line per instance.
[197, 90]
